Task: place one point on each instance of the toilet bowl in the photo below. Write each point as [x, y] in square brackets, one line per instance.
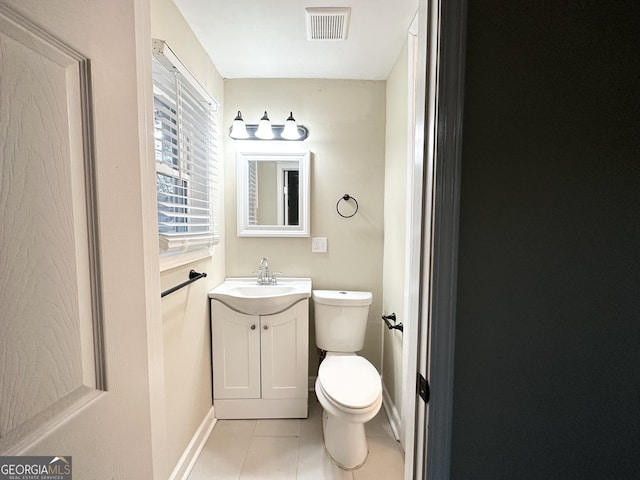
[348, 387]
[350, 391]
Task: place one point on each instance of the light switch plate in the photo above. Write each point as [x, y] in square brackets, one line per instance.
[319, 245]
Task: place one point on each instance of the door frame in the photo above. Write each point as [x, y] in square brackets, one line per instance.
[417, 86]
[445, 53]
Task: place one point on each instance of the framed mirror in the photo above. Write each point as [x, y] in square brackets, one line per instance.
[273, 194]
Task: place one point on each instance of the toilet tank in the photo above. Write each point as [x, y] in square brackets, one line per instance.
[340, 319]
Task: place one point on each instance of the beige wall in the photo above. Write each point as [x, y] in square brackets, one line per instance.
[346, 121]
[185, 313]
[395, 209]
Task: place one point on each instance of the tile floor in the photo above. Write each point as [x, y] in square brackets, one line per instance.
[292, 449]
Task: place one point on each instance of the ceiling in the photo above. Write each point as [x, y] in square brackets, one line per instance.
[268, 38]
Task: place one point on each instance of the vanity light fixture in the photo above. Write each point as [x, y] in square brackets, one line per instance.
[290, 131]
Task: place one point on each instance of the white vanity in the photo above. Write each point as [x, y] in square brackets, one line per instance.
[260, 348]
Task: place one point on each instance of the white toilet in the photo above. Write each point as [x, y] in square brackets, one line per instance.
[348, 387]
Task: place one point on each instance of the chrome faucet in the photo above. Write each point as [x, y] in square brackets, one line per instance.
[263, 272]
[264, 276]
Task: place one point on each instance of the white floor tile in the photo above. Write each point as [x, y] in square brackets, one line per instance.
[385, 461]
[278, 428]
[224, 453]
[271, 458]
[286, 449]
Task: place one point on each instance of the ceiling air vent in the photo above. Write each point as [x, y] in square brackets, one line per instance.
[327, 23]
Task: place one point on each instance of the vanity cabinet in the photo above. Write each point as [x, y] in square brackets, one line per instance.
[260, 362]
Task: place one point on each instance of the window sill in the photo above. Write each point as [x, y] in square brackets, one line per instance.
[171, 261]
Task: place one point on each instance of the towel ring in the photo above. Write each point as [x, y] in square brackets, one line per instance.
[346, 197]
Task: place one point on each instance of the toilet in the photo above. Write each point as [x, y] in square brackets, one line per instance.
[348, 387]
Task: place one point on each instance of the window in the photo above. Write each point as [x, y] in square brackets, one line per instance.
[187, 156]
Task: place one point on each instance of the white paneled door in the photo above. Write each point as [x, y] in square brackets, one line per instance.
[75, 306]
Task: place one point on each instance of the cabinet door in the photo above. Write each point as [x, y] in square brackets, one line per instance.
[236, 353]
[285, 352]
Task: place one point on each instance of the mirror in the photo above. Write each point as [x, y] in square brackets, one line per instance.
[273, 194]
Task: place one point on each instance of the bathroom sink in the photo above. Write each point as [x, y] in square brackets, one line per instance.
[246, 296]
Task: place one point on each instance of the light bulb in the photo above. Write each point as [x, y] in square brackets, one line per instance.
[264, 130]
[238, 129]
[290, 131]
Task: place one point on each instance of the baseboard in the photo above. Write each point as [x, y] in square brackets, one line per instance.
[392, 412]
[191, 453]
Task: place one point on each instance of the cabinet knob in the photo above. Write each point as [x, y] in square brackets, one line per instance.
[266, 327]
[253, 327]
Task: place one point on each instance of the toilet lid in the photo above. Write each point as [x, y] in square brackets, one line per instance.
[350, 381]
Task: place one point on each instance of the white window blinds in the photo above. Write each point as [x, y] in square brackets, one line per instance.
[187, 155]
[252, 207]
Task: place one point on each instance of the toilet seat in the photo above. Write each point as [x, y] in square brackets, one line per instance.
[350, 382]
